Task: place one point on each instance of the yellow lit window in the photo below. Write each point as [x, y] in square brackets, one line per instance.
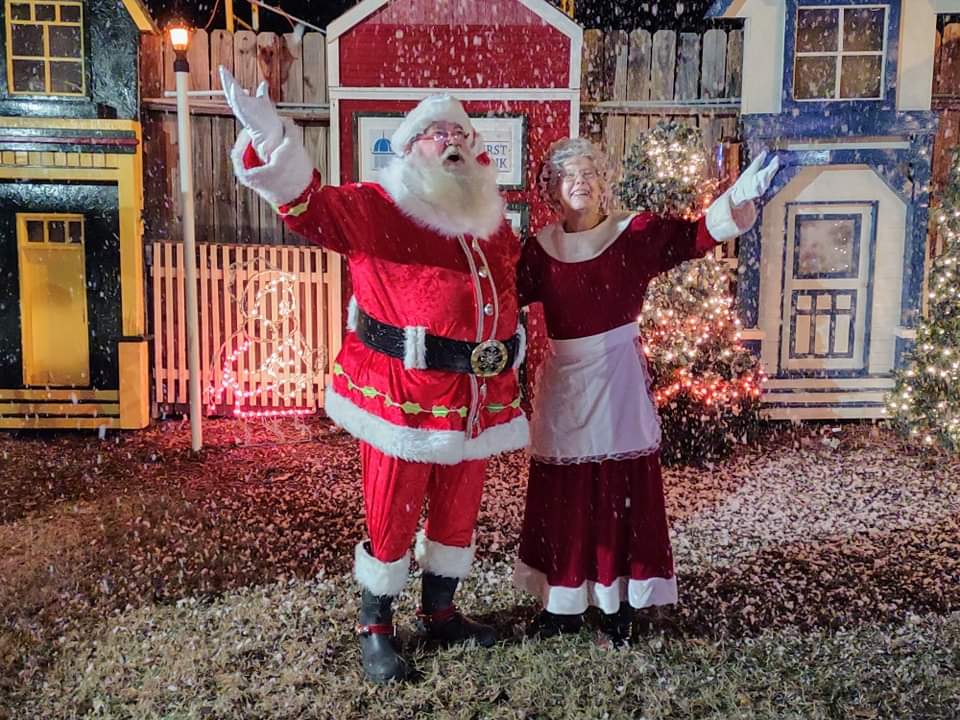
[45, 47]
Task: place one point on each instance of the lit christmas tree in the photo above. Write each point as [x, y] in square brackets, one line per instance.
[925, 402]
[706, 384]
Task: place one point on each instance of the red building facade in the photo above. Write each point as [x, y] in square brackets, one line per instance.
[515, 64]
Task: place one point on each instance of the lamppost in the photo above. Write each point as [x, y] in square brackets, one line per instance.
[180, 39]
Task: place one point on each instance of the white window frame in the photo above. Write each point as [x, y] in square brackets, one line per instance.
[839, 53]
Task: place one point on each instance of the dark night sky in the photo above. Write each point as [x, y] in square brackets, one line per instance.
[666, 14]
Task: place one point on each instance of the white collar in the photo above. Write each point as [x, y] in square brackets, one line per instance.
[584, 245]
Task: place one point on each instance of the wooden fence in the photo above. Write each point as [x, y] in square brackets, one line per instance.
[225, 211]
[633, 80]
[270, 323]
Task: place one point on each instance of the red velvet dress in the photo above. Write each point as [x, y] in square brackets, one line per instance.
[595, 528]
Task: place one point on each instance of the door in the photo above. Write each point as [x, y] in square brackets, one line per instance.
[53, 299]
[827, 290]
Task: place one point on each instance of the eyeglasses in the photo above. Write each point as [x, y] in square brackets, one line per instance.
[444, 137]
[586, 174]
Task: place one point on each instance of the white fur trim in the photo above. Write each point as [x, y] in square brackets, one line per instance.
[285, 175]
[446, 560]
[487, 221]
[521, 346]
[444, 447]
[380, 578]
[353, 314]
[435, 108]
[575, 600]
[501, 438]
[415, 347]
[725, 222]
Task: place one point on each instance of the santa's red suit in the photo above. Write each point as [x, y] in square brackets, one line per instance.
[425, 433]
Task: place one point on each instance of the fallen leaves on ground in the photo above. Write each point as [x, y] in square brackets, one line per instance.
[819, 576]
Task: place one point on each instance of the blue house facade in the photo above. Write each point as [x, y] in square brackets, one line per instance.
[831, 276]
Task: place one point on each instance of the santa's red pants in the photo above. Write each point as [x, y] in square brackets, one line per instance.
[394, 491]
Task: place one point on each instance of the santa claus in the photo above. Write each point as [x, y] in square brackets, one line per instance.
[426, 377]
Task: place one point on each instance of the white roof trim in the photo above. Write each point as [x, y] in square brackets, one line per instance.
[396, 93]
[555, 17]
[352, 17]
[333, 64]
[547, 12]
[576, 60]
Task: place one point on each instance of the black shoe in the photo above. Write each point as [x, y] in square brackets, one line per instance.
[547, 624]
[441, 618]
[381, 662]
[617, 626]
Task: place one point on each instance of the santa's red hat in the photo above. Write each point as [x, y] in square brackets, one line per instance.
[435, 108]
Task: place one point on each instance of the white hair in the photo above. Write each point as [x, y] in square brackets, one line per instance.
[551, 170]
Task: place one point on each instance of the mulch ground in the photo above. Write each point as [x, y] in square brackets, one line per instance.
[830, 537]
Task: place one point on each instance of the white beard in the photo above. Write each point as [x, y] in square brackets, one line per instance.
[452, 202]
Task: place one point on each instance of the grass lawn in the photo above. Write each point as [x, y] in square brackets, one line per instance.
[819, 578]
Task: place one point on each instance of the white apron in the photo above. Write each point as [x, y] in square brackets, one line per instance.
[593, 401]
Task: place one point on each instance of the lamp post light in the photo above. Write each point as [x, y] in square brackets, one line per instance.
[180, 39]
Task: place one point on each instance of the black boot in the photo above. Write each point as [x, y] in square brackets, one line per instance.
[381, 662]
[547, 624]
[617, 626]
[444, 622]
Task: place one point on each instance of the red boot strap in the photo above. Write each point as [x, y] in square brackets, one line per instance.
[375, 629]
[438, 617]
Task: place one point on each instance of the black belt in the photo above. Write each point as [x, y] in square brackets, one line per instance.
[484, 359]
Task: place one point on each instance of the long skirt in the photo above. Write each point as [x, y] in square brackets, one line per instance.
[595, 534]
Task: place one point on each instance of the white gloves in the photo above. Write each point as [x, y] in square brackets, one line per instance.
[256, 113]
[734, 212]
[754, 181]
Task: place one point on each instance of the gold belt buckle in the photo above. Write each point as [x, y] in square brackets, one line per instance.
[489, 358]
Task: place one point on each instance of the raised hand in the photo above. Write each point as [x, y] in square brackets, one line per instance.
[754, 181]
[256, 113]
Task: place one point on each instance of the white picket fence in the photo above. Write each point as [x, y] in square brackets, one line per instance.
[270, 325]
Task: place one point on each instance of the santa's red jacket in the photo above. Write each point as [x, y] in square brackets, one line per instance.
[416, 270]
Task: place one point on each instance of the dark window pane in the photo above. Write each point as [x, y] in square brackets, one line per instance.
[826, 246]
[65, 41]
[27, 40]
[814, 77]
[46, 12]
[66, 77]
[58, 233]
[28, 76]
[863, 29]
[69, 13]
[20, 11]
[76, 231]
[860, 76]
[817, 30]
[34, 231]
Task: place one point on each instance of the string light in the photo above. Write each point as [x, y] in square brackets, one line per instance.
[925, 401]
[692, 338]
[269, 325]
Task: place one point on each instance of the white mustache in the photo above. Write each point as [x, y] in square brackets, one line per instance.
[450, 151]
